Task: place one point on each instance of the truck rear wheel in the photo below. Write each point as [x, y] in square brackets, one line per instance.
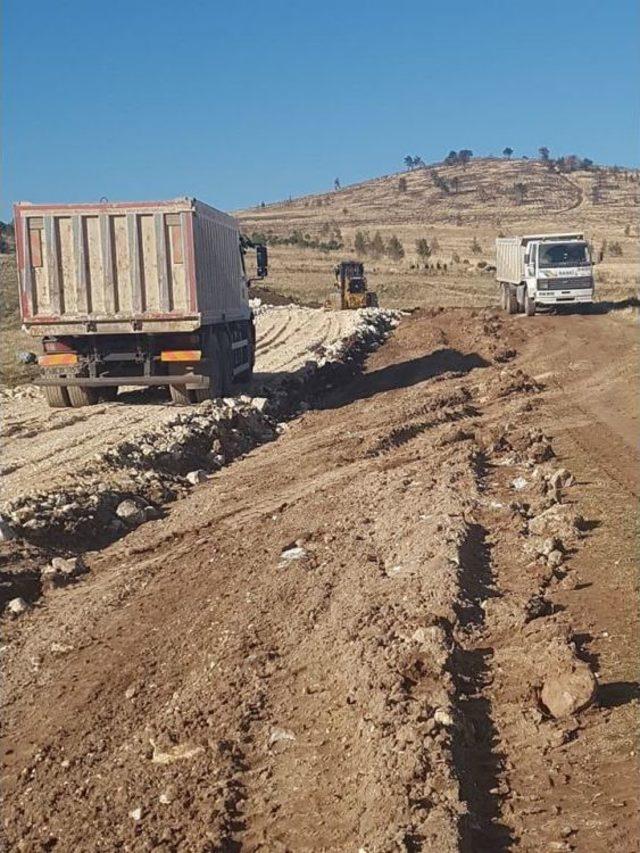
[529, 305]
[81, 396]
[247, 375]
[219, 354]
[56, 396]
[181, 395]
[108, 393]
[503, 296]
[511, 300]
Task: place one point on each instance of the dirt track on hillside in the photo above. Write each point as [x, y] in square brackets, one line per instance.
[340, 641]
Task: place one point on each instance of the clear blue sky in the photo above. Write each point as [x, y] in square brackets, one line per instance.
[238, 102]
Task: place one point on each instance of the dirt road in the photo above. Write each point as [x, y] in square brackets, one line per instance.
[50, 446]
[362, 636]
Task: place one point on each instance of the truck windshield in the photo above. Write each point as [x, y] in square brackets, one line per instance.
[563, 255]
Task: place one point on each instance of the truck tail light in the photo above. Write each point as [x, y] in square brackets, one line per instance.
[58, 359]
[181, 355]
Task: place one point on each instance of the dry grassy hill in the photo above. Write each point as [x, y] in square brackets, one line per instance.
[461, 220]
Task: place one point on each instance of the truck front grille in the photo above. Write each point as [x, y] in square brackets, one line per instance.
[569, 283]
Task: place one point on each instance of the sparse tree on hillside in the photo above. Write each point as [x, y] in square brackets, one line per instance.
[508, 152]
[455, 183]
[452, 158]
[476, 248]
[418, 162]
[361, 242]
[402, 184]
[520, 191]
[408, 162]
[544, 154]
[615, 250]
[440, 182]
[603, 251]
[377, 247]
[395, 249]
[423, 249]
[336, 184]
[464, 156]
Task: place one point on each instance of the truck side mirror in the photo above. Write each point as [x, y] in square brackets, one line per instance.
[262, 261]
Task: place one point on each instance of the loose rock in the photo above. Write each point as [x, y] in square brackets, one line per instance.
[569, 692]
[17, 606]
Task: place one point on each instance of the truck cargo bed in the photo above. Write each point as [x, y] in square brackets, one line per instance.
[128, 267]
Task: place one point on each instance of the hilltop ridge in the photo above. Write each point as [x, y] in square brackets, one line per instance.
[459, 209]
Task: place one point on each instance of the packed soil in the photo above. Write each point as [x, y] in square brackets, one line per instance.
[366, 635]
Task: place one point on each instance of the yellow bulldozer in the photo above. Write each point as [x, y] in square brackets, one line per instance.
[351, 285]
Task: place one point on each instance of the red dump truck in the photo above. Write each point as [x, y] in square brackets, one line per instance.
[135, 293]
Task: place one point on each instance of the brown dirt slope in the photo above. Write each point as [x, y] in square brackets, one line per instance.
[342, 641]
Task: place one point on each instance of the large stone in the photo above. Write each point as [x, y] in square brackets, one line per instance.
[561, 478]
[570, 691]
[17, 606]
[195, 477]
[61, 571]
[6, 531]
[130, 512]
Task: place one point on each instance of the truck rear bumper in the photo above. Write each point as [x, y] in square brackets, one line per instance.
[191, 379]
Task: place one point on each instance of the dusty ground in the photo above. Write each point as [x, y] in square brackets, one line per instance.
[342, 641]
[48, 447]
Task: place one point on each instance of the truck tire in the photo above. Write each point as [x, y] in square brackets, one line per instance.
[108, 393]
[81, 396]
[217, 350]
[503, 296]
[247, 375]
[512, 300]
[181, 395]
[529, 305]
[225, 355]
[56, 396]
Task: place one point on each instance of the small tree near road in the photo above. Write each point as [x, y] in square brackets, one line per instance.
[508, 152]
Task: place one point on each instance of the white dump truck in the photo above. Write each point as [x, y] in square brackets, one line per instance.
[135, 293]
[538, 270]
